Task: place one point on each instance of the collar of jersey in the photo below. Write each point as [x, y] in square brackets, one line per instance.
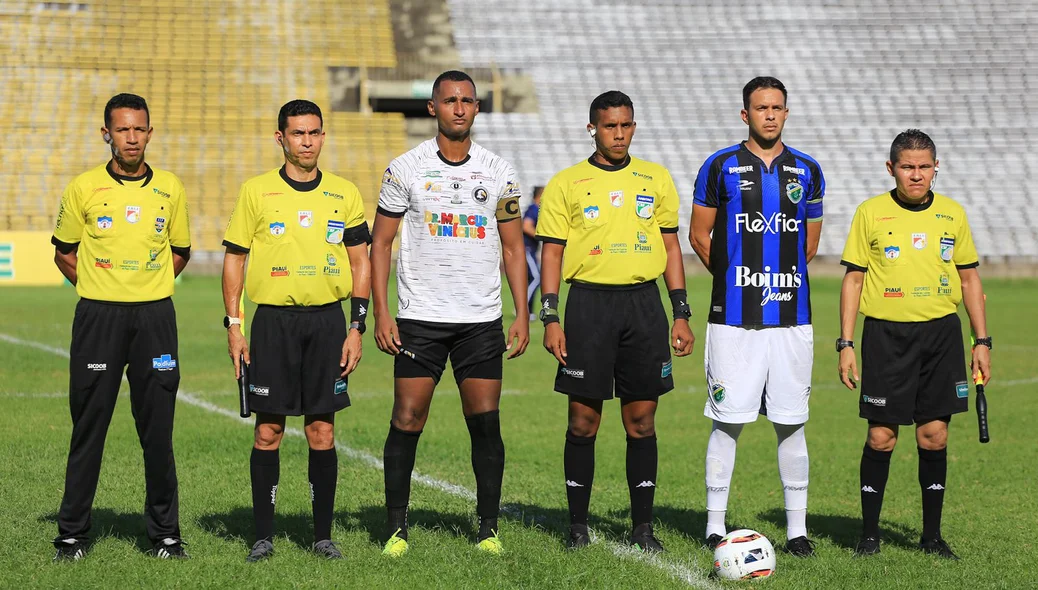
[148, 174]
[444, 159]
[620, 166]
[302, 187]
[782, 154]
[910, 207]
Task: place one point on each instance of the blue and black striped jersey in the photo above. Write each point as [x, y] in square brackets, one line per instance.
[758, 253]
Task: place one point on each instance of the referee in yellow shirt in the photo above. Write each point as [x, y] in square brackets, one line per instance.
[616, 217]
[121, 238]
[910, 260]
[299, 227]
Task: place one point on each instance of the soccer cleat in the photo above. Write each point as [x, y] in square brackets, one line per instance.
[262, 549]
[937, 547]
[491, 545]
[578, 536]
[712, 541]
[867, 546]
[327, 550]
[801, 547]
[69, 550]
[643, 540]
[396, 546]
[170, 548]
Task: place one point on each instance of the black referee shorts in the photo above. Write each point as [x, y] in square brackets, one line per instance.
[295, 360]
[619, 334]
[912, 371]
[474, 350]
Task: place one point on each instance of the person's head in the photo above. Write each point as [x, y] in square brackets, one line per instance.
[454, 104]
[537, 190]
[913, 163]
[127, 129]
[300, 133]
[764, 109]
[611, 124]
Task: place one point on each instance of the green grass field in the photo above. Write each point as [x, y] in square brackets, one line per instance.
[990, 509]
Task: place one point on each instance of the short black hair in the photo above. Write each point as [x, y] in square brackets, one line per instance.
[762, 82]
[911, 139]
[608, 100]
[297, 108]
[452, 76]
[126, 101]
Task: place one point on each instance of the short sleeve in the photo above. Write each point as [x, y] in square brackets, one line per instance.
[965, 253]
[705, 192]
[394, 197]
[667, 210]
[814, 201]
[508, 200]
[355, 212]
[242, 226]
[553, 220]
[179, 226]
[68, 229]
[856, 250]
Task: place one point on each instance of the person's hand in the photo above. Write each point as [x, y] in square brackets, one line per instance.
[555, 341]
[351, 352]
[237, 346]
[681, 338]
[981, 363]
[849, 368]
[519, 336]
[387, 335]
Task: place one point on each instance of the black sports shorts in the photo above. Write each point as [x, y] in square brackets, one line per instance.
[474, 349]
[912, 371]
[619, 334]
[295, 360]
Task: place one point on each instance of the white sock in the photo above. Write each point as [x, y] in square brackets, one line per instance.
[720, 463]
[793, 467]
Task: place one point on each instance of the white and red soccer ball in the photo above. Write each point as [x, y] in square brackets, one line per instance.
[744, 555]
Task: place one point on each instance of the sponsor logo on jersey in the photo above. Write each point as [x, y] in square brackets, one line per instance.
[133, 214]
[921, 291]
[104, 222]
[160, 224]
[892, 252]
[643, 206]
[582, 180]
[277, 229]
[334, 232]
[388, 178]
[591, 213]
[597, 250]
[893, 292]
[643, 238]
[875, 401]
[480, 195]
[770, 282]
[740, 169]
[776, 223]
[962, 389]
[640, 175]
[306, 218]
[103, 262]
[456, 225]
[130, 265]
[101, 188]
[945, 279]
[947, 248]
[330, 259]
[152, 266]
[153, 253]
[944, 217]
[307, 270]
[161, 193]
[262, 390]
[431, 174]
[279, 271]
[340, 387]
[616, 198]
[511, 189]
[717, 392]
[433, 187]
[642, 246]
[164, 362]
[336, 196]
[746, 185]
[97, 366]
[794, 192]
[455, 186]
[618, 248]
[919, 241]
[666, 369]
[574, 373]
[793, 169]
[480, 176]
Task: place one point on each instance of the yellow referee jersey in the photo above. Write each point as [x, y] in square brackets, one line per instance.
[910, 256]
[296, 234]
[124, 228]
[610, 218]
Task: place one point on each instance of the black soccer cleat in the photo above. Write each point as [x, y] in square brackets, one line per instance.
[327, 550]
[170, 548]
[578, 537]
[643, 540]
[262, 549]
[867, 546]
[938, 547]
[69, 550]
[801, 547]
[712, 541]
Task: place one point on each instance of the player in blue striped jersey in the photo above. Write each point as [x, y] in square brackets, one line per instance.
[756, 221]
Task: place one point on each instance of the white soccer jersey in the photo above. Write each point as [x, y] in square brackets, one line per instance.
[448, 269]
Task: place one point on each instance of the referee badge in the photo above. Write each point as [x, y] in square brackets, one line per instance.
[918, 241]
[591, 213]
[335, 231]
[277, 229]
[616, 199]
[133, 214]
[892, 253]
[104, 222]
[644, 206]
[306, 218]
[794, 192]
[947, 248]
[160, 224]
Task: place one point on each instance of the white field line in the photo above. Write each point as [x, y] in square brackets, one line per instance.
[694, 578]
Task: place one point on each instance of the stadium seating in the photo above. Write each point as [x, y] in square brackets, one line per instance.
[857, 72]
[214, 75]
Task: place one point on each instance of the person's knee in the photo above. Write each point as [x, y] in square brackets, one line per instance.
[409, 418]
[268, 436]
[320, 435]
[933, 438]
[882, 439]
[641, 425]
[584, 424]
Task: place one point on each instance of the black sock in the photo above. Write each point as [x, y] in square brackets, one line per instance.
[487, 528]
[323, 471]
[488, 461]
[265, 469]
[875, 467]
[933, 472]
[579, 464]
[641, 477]
[398, 457]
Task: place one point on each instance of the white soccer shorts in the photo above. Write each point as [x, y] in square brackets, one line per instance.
[748, 367]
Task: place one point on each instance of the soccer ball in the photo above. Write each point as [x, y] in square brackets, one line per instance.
[744, 555]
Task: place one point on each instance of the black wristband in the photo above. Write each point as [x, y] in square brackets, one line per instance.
[549, 308]
[358, 309]
[679, 301]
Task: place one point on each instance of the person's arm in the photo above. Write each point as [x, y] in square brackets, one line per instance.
[179, 262]
[68, 231]
[529, 227]
[681, 335]
[387, 337]
[850, 295]
[179, 229]
[233, 281]
[66, 263]
[551, 277]
[360, 269]
[699, 231]
[973, 300]
[814, 234]
[513, 253]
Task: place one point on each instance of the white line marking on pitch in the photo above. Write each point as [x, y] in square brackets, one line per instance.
[693, 577]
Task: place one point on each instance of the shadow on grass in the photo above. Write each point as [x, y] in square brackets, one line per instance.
[845, 531]
[691, 523]
[555, 521]
[107, 523]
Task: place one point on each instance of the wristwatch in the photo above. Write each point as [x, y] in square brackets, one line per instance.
[229, 321]
[842, 344]
[358, 326]
[983, 342]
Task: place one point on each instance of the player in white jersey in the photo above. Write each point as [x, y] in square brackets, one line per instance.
[460, 208]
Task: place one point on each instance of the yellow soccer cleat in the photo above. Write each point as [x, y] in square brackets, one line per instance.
[491, 545]
[395, 546]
